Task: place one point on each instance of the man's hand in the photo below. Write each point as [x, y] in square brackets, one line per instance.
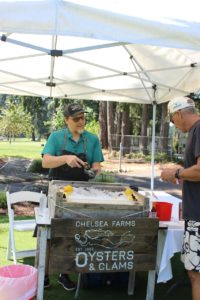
[169, 175]
[73, 161]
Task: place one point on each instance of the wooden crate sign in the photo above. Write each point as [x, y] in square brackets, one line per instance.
[103, 245]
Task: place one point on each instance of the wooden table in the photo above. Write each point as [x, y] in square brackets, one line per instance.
[44, 223]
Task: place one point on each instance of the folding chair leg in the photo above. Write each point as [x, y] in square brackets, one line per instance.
[9, 250]
[13, 248]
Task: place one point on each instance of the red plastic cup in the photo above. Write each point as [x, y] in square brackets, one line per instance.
[164, 210]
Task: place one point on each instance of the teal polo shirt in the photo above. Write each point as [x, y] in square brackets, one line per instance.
[57, 142]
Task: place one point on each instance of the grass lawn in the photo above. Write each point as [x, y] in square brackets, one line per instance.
[106, 293]
[23, 148]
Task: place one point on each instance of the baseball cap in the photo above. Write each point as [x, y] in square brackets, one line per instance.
[72, 110]
[179, 103]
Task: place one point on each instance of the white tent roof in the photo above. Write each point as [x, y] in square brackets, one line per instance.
[113, 50]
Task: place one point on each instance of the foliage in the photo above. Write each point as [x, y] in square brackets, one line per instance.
[93, 126]
[159, 157]
[37, 107]
[114, 154]
[135, 118]
[57, 121]
[178, 159]
[36, 167]
[135, 155]
[14, 121]
[3, 202]
[105, 177]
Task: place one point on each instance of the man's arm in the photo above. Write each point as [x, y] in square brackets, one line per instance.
[50, 161]
[191, 174]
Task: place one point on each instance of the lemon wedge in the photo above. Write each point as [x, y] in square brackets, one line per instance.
[128, 192]
[68, 189]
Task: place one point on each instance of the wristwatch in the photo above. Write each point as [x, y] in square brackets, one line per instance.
[177, 174]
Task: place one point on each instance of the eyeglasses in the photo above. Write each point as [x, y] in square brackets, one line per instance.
[77, 119]
[171, 118]
[172, 115]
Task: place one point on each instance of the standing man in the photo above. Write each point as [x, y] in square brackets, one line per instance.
[68, 153]
[69, 150]
[183, 114]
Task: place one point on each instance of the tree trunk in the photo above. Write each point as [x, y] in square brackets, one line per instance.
[118, 128]
[144, 125]
[103, 124]
[110, 123]
[33, 135]
[164, 130]
[125, 129]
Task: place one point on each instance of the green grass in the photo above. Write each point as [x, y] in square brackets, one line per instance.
[26, 237]
[105, 293]
[22, 148]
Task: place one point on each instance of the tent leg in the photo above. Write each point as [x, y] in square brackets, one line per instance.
[153, 146]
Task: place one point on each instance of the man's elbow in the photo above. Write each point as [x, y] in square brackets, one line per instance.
[44, 163]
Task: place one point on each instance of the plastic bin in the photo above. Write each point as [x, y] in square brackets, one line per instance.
[164, 210]
[18, 282]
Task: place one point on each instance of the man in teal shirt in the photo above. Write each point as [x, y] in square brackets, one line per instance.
[68, 153]
[68, 150]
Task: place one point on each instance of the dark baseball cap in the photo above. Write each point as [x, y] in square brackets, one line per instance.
[73, 110]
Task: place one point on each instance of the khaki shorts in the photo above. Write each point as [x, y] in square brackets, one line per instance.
[190, 254]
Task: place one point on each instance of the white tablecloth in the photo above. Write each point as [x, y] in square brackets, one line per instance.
[169, 242]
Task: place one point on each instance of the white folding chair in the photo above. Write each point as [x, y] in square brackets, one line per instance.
[20, 225]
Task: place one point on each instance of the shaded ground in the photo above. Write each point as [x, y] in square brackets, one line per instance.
[14, 177]
[139, 174]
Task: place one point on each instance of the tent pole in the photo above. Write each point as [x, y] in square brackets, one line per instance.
[153, 145]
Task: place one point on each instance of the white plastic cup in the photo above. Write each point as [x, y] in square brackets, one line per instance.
[43, 202]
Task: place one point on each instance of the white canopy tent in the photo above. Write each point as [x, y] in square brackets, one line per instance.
[115, 50]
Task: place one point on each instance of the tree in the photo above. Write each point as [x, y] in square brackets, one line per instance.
[14, 121]
[111, 108]
[118, 124]
[164, 129]
[37, 107]
[103, 124]
[125, 130]
[144, 126]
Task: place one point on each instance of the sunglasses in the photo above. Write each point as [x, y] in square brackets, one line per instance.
[171, 118]
[77, 119]
[172, 115]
